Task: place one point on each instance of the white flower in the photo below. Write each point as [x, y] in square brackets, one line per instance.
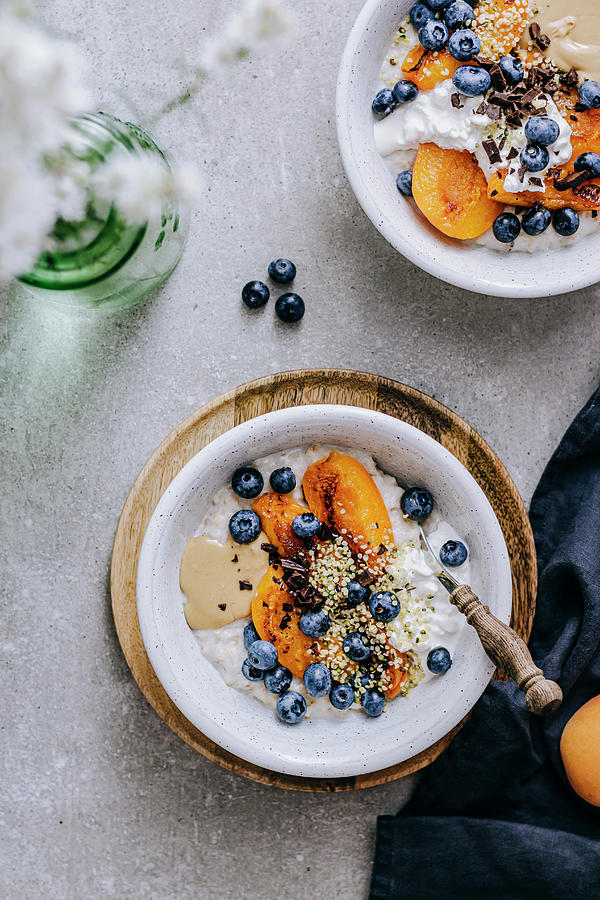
[254, 23]
[140, 186]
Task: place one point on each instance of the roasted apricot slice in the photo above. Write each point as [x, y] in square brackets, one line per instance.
[451, 191]
[340, 492]
[279, 625]
[396, 677]
[499, 24]
[426, 68]
[277, 512]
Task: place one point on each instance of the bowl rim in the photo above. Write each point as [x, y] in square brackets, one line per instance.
[462, 277]
[163, 665]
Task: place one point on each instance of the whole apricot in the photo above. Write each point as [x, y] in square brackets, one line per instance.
[580, 751]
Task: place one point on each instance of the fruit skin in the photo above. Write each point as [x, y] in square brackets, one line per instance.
[384, 606]
[250, 672]
[283, 480]
[267, 614]
[290, 307]
[433, 35]
[452, 192]
[373, 702]
[278, 679]
[317, 680]
[589, 161]
[405, 91]
[250, 635]
[291, 707]
[357, 593]
[306, 525]
[541, 130]
[419, 14]
[565, 222]
[255, 294]
[589, 94]
[282, 270]
[535, 158]
[453, 553]
[513, 69]
[315, 623]
[247, 482]
[464, 44]
[262, 655]
[355, 648]
[341, 696]
[417, 503]
[458, 14]
[439, 660]
[535, 220]
[383, 102]
[472, 81]
[580, 751]
[404, 182]
[244, 526]
[506, 228]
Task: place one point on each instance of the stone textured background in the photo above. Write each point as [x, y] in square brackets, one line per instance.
[102, 800]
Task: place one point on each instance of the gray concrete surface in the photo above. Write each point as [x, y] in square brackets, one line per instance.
[101, 799]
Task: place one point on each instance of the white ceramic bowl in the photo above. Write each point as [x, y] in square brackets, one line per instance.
[347, 744]
[515, 274]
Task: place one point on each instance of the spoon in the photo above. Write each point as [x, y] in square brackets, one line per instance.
[503, 645]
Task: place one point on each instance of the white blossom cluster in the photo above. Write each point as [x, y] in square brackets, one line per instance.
[257, 21]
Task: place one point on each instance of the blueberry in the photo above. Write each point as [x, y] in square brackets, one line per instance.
[439, 660]
[255, 294]
[251, 672]
[439, 4]
[282, 271]
[373, 702]
[250, 635]
[245, 526]
[464, 44]
[357, 593]
[506, 228]
[565, 221]
[290, 307]
[383, 102]
[247, 482]
[541, 130]
[404, 183]
[433, 35]
[458, 14]
[472, 81]
[589, 161]
[589, 94]
[342, 696]
[278, 679]
[404, 91]
[384, 606]
[512, 68]
[291, 707]
[305, 525]
[317, 680]
[355, 648]
[535, 158]
[453, 553]
[535, 220]
[262, 655]
[417, 503]
[314, 623]
[283, 480]
[419, 14]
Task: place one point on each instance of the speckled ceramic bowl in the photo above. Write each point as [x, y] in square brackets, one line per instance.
[468, 266]
[344, 745]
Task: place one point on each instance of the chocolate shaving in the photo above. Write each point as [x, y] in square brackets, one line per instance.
[493, 113]
[381, 550]
[494, 192]
[419, 62]
[594, 214]
[277, 580]
[482, 109]
[235, 559]
[512, 153]
[245, 586]
[502, 143]
[541, 40]
[222, 606]
[498, 77]
[521, 171]
[325, 533]
[536, 181]
[365, 578]
[291, 565]
[573, 180]
[570, 79]
[491, 149]
[484, 62]
[455, 101]
[285, 622]
[273, 552]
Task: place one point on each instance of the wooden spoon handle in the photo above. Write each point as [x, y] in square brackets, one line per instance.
[510, 653]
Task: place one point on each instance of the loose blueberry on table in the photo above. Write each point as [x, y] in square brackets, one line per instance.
[255, 294]
[282, 271]
[290, 307]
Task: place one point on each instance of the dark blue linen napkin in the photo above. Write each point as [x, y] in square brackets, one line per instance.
[494, 817]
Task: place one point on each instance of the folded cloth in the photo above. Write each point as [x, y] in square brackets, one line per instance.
[494, 817]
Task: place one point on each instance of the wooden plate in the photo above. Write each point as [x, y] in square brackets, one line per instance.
[278, 392]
